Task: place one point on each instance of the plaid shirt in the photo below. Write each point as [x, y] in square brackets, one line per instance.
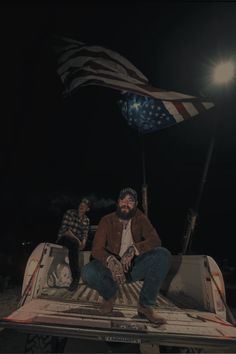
[78, 225]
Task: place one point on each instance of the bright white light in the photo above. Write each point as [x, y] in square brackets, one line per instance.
[224, 72]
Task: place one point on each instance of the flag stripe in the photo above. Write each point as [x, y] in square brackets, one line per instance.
[100, 73]
[199, 107]
[77, 57]
[105, 78]
[173, 111]
[120, 81]
[113, 82]
[190, 108]
[208, 105]
[182, 110]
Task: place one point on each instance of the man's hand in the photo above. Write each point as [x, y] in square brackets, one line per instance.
[116, 270]
[127, 257]
[70, 234]
[82, 244]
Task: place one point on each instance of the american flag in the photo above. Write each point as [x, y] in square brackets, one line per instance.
[80, 64]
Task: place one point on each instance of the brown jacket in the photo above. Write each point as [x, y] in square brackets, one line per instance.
[107, 239]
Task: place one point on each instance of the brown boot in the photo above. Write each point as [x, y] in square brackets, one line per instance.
[107, 305]
[149, 313]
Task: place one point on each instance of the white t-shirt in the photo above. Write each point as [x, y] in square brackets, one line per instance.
[126, 239]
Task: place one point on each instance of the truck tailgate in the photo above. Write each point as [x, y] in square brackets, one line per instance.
[58, 312]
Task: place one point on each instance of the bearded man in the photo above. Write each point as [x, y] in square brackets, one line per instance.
[126, 247]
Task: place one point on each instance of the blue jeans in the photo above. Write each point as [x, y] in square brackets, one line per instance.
[151, 267]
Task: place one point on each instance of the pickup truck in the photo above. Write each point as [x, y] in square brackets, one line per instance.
[192, 300]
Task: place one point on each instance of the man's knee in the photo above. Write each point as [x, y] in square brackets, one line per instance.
[163, 254]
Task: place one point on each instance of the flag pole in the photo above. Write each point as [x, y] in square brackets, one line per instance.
[144, 184]
[192, 214]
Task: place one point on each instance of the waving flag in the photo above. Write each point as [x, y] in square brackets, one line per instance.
[145, 107]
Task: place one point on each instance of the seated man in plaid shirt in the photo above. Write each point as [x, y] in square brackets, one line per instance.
[73, 234]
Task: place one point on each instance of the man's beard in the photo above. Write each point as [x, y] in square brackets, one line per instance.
[124, 215]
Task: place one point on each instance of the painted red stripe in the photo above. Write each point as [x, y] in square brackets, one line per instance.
[181, 109]
[199, 107]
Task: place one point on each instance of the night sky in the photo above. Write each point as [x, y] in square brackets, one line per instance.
[55, 150]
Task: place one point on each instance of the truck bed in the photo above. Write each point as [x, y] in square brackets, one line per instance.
[50, 308]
